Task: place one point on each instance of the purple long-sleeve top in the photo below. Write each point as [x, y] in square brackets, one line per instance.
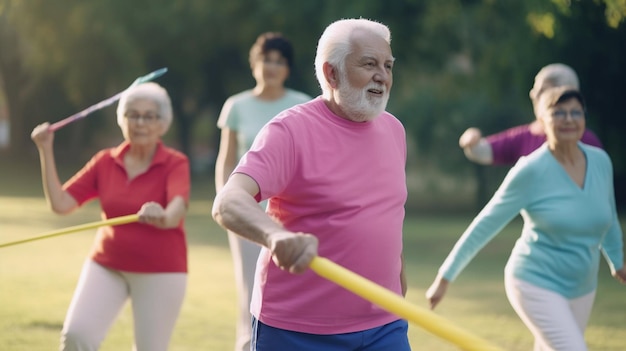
[511, 144]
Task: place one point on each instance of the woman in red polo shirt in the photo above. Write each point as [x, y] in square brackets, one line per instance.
[144, 261]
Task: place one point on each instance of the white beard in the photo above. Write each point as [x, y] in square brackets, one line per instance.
[357, 104]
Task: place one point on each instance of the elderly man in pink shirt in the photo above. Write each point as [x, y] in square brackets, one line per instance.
[333, 170]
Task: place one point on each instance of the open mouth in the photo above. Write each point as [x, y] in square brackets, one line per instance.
[375, 91]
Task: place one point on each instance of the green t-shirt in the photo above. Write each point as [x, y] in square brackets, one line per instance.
[246, 114]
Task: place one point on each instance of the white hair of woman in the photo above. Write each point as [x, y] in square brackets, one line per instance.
[147, 91]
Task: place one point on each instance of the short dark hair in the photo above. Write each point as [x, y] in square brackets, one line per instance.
[557, 95]
[269, 41]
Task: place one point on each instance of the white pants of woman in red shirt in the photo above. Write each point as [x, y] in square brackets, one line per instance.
[100, 295]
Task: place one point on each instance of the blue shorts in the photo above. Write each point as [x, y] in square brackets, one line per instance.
[389, 337]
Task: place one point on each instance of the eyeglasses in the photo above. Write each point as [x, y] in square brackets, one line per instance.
[147, 118]
[281, 62]
[561, 115]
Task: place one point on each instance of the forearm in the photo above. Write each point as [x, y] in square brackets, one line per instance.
[612, 245]
[175, 212]
[437, 290]
[59, 200]
[223, 169]
[237, 211]
[480, 152]
[226, 158]
[620, 274]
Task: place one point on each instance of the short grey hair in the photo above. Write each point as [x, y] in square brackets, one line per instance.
[147, 91]
[552, 76]
[334, 45]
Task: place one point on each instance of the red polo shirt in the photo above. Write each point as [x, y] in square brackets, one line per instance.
[135, 247]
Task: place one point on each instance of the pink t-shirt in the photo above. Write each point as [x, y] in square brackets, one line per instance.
[345, 183]
[511, 144]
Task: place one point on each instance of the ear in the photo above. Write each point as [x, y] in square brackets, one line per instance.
[331, 75]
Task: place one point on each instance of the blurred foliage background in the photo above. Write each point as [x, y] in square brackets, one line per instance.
[460, 63]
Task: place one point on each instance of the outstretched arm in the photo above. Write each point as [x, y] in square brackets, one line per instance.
[475, 147]
[509, 199]
[620, 274]
[612, 246]
[60, 201]
[437, 291]
[236, 209]
[153, 213]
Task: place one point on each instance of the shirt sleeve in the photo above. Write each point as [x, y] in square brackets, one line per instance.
[505, 146]
[178, 180]
[506, 203]
[271, 159]
[228, 115]
[83, 186]
[612, 246]
[590, 138]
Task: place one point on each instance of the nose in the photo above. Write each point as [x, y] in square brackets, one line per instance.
[382, 76]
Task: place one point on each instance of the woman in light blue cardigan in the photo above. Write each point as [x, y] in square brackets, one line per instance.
[564, 193]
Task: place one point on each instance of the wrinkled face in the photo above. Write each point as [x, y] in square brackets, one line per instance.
[366, 80]
[564, 122]
[271, 69]
[142, 123]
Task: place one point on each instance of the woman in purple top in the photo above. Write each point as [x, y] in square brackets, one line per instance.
[506, 147]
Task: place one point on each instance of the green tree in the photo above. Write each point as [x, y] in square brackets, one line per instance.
[460, 63]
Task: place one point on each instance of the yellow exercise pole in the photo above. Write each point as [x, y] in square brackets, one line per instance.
[396, 304]
[112, 221]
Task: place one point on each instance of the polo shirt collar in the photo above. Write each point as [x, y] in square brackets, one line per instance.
[118, 153]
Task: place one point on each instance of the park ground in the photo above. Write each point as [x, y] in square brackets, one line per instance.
[37, 279]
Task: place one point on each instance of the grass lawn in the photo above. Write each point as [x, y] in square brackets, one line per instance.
[37, 280]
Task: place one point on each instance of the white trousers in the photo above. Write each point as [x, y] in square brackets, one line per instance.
[100, 295]
[245, 254]
[557, 323]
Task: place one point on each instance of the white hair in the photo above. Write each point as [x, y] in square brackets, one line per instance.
[334, 45]
[551, 76]
[147, 91]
